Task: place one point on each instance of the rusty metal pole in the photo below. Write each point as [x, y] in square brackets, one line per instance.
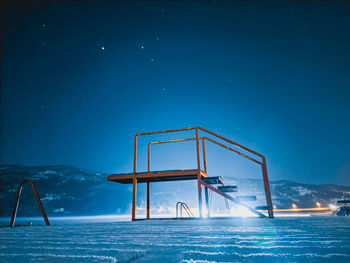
[204, 158]
[148, 183]
[148, 199]
[205, 170]
[134, 182]
[199, 176]
[39, 203]
[267, 188]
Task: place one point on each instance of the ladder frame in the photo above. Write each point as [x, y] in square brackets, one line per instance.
[18, 196]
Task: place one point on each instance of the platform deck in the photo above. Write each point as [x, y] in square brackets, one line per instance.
[156, 176]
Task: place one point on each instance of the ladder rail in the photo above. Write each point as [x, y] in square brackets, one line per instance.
[177, 209]
[187, 209]
[18, 196]
[180, 206]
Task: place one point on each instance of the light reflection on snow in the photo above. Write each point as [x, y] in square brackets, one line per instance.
[222, 240]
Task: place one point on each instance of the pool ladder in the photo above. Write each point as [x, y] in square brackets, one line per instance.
[18, 196]
[179, 206]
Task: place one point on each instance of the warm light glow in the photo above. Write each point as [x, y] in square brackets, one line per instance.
[274, 207]
[318, 204]
[241, 211]
[294, 206]
[333, 207]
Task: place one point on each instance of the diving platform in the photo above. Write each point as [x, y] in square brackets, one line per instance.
[157, 176]
[199, 173]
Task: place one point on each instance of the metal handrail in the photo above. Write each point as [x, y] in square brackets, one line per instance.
[201, 138]
[197, 138]
[187, 209]
[185, 206]
[205, 130]
[19, 190]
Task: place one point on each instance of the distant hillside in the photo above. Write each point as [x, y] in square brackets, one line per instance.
[65, 190]
[284, 193]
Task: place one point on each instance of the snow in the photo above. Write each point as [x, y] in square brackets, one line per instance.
[301, 190]
[312, 239]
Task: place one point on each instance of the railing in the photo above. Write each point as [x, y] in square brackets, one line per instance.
[18, 196]
[204, 159]
[185, 207]
[197, 138]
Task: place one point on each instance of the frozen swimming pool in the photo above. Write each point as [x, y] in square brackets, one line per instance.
[315, 239]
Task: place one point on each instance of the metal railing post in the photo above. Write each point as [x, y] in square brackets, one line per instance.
[205, 170]
[267, 189]
[199, 176]
[134, 182]
[148, 183]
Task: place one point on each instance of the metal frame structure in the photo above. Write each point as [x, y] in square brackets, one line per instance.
[18, 196]
[143, 176]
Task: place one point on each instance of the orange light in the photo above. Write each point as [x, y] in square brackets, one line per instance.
[294, 206]
[274, 207]
[318, 204]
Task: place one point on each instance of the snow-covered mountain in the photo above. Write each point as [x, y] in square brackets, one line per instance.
[65, 190]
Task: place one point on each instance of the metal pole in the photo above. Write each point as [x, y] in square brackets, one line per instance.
[267, 189]
[148, 199]
[205, 170]
[148, 183]
[199, 176]
[134, 183]
[14, 212]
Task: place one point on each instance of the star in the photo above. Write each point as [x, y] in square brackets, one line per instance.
[152, 59]
[163, 89]
[102, 48]
[142, 47]
[44, 25]
[157, 38]
[43, 43]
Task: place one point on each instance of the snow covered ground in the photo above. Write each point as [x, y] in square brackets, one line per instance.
[312, 239]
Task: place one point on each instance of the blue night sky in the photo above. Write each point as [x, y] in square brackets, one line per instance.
[80, 79]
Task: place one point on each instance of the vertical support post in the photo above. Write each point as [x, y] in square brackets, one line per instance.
[204, 158]
[134, 183]
[267, 189]
[148, 199]
[199, 176]
[205, 170]
[148, 183]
